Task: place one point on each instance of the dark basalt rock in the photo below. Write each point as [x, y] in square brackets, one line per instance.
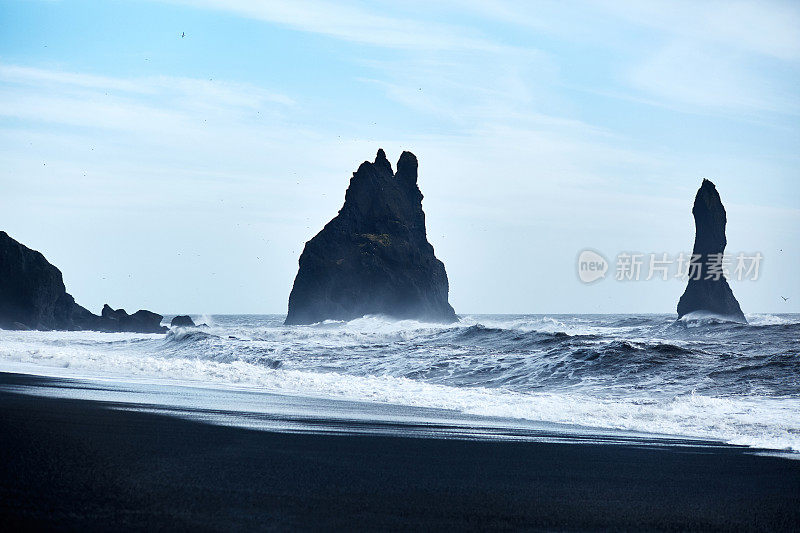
[112, 314]
[32, 293]
[33, 296]
[142, 321]
[712, 296]
[374, 256]
[182, 321]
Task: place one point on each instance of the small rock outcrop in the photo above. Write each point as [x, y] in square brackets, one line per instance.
[33, 296]
[182, 321]
[142, 321]
[374, 256]
[708, 290]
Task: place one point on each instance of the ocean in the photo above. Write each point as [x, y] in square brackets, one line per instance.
[698, 377]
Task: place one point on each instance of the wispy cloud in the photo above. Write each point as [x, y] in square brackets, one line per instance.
[225, 93]
[25, 75]
[719, 55]
[354, 22]
[710, 80]
[165, 123]
[702, 57]
[766, 28]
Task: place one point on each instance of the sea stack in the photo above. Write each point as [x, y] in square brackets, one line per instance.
[374, 256]
[33, 296]
[708, 290]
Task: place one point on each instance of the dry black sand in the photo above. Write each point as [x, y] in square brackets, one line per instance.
[76, 464]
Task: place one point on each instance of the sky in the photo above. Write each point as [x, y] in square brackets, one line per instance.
[176, 155]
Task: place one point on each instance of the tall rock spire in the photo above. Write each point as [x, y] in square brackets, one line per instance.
[708, 290]
[374, 256]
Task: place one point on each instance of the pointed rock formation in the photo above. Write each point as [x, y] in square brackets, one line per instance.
[374, 256]
[33, 296]
[707, 291]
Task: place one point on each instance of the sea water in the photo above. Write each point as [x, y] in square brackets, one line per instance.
[696, 377]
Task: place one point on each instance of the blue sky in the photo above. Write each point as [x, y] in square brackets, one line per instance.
[185, 174]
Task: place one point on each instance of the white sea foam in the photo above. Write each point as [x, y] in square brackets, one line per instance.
[771, 320]
[761, 421]
[204, 319]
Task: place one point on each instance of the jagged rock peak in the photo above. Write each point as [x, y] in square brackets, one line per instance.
[374, 256]
[382, 163]
[706, 291]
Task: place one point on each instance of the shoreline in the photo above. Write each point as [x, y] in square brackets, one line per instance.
[70, 463]
[249, 408]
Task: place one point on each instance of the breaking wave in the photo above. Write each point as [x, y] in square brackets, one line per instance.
[695, 377]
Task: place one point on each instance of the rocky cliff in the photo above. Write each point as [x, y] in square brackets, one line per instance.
[374, 256]
[712, 295]
[33, 296]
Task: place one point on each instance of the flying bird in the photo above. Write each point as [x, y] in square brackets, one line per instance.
[785, 298]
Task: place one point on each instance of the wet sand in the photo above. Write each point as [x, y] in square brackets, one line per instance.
[79, 464]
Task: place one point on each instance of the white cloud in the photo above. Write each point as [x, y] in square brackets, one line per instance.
[717, 55]
[699, 56]
[353, 22]
[222, 92]
[761, 27]
[709, 79]
[41, 77]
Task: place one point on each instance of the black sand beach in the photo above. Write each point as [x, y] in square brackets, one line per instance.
[76, 464]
